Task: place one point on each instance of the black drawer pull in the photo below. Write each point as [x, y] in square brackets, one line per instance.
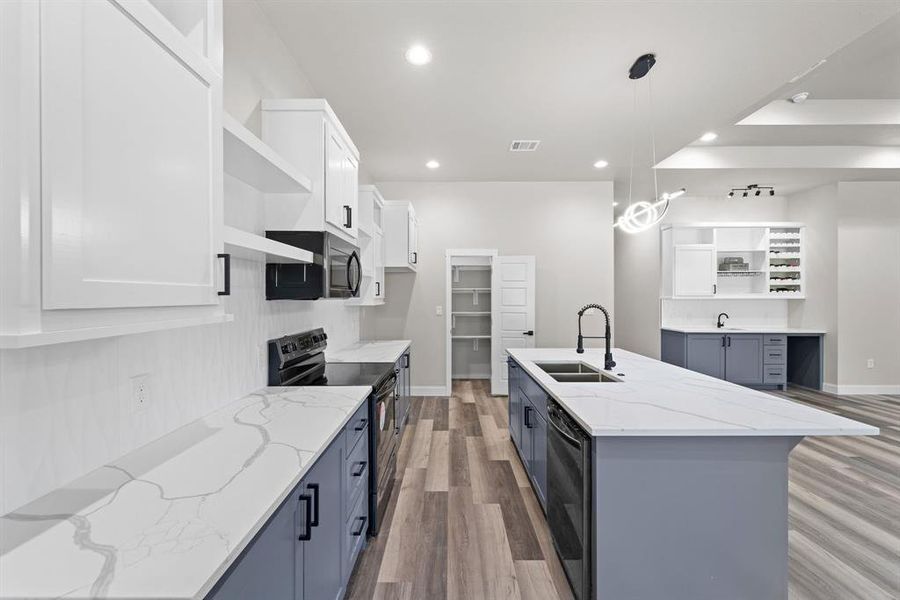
[360, 467]
[307, 534]
[362, 526]
[362, 425]
[314, 487]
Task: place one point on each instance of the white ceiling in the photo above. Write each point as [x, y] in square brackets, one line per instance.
[556, 71]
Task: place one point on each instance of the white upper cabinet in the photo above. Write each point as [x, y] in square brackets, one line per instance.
[371, 247]
[739, 260]
[131, 160]
[401, 235]
[118, 171]
[308, 134]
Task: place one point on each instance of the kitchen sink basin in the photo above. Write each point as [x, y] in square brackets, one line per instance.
[574, 372]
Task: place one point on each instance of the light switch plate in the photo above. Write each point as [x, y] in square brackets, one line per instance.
[140, 392]
[870, 364]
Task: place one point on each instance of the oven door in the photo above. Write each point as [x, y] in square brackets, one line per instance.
[344, 269]
[384, 448]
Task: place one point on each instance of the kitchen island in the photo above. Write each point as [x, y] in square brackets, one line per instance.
[687, 475]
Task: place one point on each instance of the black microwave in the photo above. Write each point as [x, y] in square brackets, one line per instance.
[335, 272]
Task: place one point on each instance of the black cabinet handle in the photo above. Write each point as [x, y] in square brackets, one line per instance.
[715, 288]
[362, 425]
[406, 361]
[527, 420]
[377, 288]
[306, 499]
[362, 526]
[529, 332]
[348, 216]
[723, 341]
[227, 271]
[314, 487]
[415, 258]
[360, 467]
[729, 341]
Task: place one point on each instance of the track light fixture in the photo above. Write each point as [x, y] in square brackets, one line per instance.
[753, 187]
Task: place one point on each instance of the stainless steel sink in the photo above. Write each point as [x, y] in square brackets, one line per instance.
[574, 372]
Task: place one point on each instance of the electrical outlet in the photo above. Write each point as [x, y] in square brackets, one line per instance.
[870, 364]
[140, 392]
[439, 310]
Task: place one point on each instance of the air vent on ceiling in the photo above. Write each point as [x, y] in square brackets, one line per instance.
[524, 145]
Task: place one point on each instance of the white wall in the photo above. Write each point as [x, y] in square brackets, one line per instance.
[566, 225]
[637, 272]
[65, 409]
[868, 268]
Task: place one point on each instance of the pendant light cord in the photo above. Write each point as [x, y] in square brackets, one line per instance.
[652, 137]
[634, 108]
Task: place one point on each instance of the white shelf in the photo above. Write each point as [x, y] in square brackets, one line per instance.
[470, 313]
[249, 159]
[256, 247]
[457, 290]
[470, 337]
[45, 338]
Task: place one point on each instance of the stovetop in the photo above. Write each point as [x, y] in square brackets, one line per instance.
[352, 374]
[299, 359]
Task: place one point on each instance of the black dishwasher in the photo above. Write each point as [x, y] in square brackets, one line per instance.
[569, 498]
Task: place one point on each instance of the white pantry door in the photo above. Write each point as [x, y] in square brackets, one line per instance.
[131, 138]
[512, 313]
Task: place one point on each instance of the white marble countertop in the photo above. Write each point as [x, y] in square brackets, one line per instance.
[168, 519]
[749, 329]
[658, 399]
[385, 351]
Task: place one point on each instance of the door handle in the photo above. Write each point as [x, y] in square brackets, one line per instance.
[226, 265]
[529, 332]
[306, 499]
[314, 521]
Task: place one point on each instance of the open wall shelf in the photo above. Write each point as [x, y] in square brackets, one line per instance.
[252, 161]
[243, 244]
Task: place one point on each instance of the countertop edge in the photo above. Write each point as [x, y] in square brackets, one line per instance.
[335, 355]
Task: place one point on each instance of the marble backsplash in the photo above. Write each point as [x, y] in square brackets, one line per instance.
[66, 409]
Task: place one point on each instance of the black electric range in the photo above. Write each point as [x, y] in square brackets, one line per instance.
[299, 360]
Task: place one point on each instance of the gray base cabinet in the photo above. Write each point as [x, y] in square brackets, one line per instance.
[308, 548]
[745, 358]
[528, 426]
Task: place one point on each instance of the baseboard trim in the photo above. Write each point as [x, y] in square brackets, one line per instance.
[429, 390]
[861, 390]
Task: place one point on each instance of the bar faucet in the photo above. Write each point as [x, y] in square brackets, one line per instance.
[608, 362]
[719, 323]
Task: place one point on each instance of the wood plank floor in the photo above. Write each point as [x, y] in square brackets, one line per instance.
[463, 521]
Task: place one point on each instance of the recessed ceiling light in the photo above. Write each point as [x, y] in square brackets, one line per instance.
[600, 164]
[418, 55]
[432, 164]
[799, 97]
[709, 136]
[615, 204]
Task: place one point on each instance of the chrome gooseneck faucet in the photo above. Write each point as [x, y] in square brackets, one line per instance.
[608, 362]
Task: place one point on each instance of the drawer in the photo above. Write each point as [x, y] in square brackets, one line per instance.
[356, 474]
[533, 393]
[357, 426]
[774, 355]
[354, 538]
[774, 339]
[774, 374]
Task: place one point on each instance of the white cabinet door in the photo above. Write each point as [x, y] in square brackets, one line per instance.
[131, 163]
[695, 270]
[413, 237]
[512, 313]
[335, 177]
[350, 200]
[378, 243]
